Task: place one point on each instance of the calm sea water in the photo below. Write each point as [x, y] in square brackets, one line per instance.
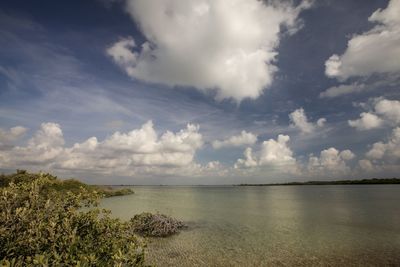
[356, 225]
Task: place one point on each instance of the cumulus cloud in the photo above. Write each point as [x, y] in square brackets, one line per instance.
[244, 138]
[383, 158]
[330, 160]
[42, 148]
[273, 153]
[375, 51]
[388, 109]
[366, 165]
[389, 151]
[384, 111]
[140, 151]
[300, 121]
[248, 161]
[276, 151]
[8, 137]
[366, 121]
[222, 45]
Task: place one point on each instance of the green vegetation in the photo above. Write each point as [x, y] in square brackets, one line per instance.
[155, 225]
[109, 191]
[39, 226]
[339, 182]
[69, 185]
[45, 221]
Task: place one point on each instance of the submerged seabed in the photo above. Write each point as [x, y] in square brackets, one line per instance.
[356, 225]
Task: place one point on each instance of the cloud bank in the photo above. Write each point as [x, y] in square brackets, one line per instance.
[138, 152]
[142, 153]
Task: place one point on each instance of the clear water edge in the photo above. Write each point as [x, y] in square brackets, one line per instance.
[351, 225]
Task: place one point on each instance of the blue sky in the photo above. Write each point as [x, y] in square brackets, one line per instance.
[200, 92]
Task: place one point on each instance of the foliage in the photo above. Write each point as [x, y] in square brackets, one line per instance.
[19, 177]
[156, 225]
[63, 186]
[108, 191]
[41, 225]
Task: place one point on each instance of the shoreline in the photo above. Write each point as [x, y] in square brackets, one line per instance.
[372, 181]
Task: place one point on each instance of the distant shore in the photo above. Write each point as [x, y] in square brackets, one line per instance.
[332, 182]
[339, 182]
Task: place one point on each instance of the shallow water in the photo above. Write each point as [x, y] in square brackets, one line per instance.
[338, 225]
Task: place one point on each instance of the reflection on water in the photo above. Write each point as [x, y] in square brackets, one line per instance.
[280, 225]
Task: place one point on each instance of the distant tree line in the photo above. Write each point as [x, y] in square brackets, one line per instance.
[339, 182]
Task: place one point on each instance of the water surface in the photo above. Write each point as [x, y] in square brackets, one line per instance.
[352, 225]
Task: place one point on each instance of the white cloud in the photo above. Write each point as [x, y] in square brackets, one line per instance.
[248, 161]
[213, 165]
[321, 122]
[244, 138]
[376, 82]
[366, 165]
[139, 151]
[366, 122]
[389, 109]
[383, 158]
[300, 121]
[390, 151]
[8, 137]
[375, 51]
[50, 135]
[212, 169]
[330, 161]
[343, 89]
[332, 66]
[230, 46]
[276, 151]
[121, 53]
[43, 148]
[377, 151]
[273, 153]
[346, 155]
[384, 111]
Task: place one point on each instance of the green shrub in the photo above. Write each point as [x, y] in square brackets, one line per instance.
[108, 191]
[44, 227]
[21, 176]
[62, 186]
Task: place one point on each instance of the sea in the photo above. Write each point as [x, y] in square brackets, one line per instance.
[313, 225]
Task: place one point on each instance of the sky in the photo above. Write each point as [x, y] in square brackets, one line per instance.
[200, 91]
